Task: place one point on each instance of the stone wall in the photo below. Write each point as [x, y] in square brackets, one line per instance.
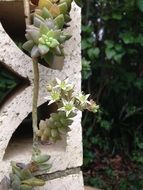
[66, 156]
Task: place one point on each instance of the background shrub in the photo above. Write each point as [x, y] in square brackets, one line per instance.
[112, 50]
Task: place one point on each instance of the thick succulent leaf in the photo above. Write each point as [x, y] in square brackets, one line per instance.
[21, 165]
[34, 34]
[59, 21]
[62, 130]
[57, 51]
[68, 36]
[35, 52]
[62, 38]
[16, 182]
[28, 37]
[63, 8]
[34, 182]
[54, 34]
[28, 45]
[55, 10]
[37, 21]
[44, 167]
[16, 170]
[42, 158]
[50, 23]
[39, 16]
[68, 2]
[49, 58]
[67, 18]
[43, 29]
[43, 49]
[45, 13]
[26, 174]
[54, 133]
[44, 3]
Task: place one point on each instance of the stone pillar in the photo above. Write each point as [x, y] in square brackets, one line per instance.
[66, 156]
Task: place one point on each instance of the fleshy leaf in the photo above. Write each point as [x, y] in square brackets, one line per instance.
[49, 58]
[35, 52]
[63, 8]
[34, 35]
[45, 13]
[42, 158]
[55, 10]
[44, 3]
[28, 45]
[43, 29]
[33, 182]
[68, 2]
[59, 20]
[43, 49]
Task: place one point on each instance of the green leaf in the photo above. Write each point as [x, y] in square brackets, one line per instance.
[28, 45]
[106, 125]
[85, 44]
[43, 49]
[42, 158]
[59, 20]
[127, 38]
[35, 52]
[109, 43]
[116, 16]
[45, 13]
[140, 5]
[49, 58]
[33, 182]
[63, 8]
[43, 29]
[110, 53]
[93, 53]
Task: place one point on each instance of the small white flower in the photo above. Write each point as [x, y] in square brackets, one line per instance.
[54, 97]
[83, 99]
[64, 85]
[68, 107]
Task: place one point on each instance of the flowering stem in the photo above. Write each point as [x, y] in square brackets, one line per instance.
[35, 148]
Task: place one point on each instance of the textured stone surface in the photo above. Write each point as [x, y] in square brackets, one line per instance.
[66, 154]
[70, 182]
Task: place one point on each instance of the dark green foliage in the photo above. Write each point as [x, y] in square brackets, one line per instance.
[7, 83]
[113, 73]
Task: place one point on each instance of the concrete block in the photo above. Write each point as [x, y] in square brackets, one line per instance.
[64, 154]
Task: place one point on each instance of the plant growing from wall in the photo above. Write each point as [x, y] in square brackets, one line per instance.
[45, 38]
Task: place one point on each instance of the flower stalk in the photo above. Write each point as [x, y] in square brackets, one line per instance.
[35, 149]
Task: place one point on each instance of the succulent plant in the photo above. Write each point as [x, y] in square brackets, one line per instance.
[45, 37]
[53, 128]
[45, 41]
[24, 176]
[57, 8]
[68, 103]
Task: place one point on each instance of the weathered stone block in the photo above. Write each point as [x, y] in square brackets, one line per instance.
[64, 154]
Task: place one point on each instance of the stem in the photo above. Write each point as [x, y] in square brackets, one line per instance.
[27, 11]
[35, 148]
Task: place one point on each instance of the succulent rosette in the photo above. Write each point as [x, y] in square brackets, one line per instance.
[57, 8]
[44, 39]
[25, 176]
